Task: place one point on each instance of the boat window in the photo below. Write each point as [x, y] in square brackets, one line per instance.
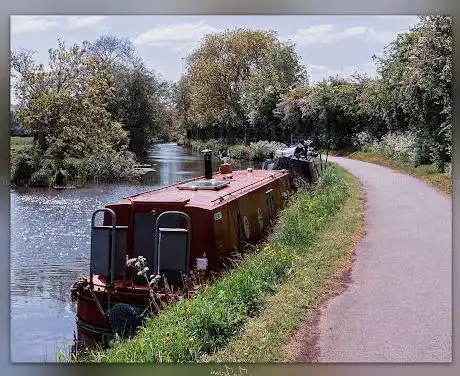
[269, 195]
[211, 184]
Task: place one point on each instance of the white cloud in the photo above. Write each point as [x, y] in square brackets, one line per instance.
[382, 36]
[74, 22]
[23, 24]
[178, 37]
[327, 33]
[319, 72]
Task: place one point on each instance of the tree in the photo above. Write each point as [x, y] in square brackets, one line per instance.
[112, 51]
[371, 108]
[66, 105]
[289, 110]
[217, 72]
[139, 95]
[330, 110]
[411, 96]
[261, 91]
[139, 105]
[180, 92]
[426, 87]
[416, 79]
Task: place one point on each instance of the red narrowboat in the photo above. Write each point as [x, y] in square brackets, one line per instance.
[190, 225]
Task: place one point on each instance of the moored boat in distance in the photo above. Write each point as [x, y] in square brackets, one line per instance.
[300, 160]
[184, 229]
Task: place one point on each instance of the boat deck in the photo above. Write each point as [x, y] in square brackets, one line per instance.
[240, 183]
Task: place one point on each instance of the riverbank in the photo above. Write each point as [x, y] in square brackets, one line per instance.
[255, 151]
[31, 167]
[195, 328]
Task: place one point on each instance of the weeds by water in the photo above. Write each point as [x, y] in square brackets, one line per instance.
[190, 329]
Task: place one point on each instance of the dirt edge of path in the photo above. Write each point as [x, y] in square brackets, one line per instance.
[304, 345]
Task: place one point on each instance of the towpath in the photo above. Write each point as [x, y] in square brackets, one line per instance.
[398, 306]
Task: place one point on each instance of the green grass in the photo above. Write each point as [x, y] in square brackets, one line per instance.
[21, 140]
[191, 329]
[427, 173]
[18, 145]
[270, 337]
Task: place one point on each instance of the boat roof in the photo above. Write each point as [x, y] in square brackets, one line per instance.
[241, 182]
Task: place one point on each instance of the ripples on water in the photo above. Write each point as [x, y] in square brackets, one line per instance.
[50, 232]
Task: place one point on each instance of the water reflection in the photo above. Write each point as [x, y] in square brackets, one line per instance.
[50, 232]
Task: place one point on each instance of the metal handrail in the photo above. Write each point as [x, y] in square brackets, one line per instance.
[112, 247]
[157, 237]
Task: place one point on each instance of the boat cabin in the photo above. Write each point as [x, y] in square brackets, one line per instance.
[201, 220]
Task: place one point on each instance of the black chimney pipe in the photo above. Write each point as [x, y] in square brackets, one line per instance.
[207, 163]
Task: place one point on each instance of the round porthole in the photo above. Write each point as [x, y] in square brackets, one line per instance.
[260, 216]
[247, 231]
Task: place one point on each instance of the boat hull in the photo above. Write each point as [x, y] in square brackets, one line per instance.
[222, 222]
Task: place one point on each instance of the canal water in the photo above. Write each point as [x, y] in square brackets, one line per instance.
[50, 232]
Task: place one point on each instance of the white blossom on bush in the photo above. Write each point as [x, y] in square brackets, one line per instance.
[401, 146]
[360, 139]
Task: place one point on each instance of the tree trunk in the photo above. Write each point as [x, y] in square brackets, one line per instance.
[39, 137]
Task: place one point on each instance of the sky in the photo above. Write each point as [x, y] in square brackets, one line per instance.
[327, 45]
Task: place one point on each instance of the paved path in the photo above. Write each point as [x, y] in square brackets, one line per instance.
[398, 307]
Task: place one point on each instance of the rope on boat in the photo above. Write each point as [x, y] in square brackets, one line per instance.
[97, 302]
[81, 284]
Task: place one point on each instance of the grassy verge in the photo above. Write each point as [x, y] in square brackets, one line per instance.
[18, 145]
[427, 173]
[316, 273]
[189, 330]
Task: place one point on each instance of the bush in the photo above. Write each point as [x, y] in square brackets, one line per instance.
[61, 177]
[256, 151]
[23, 168]
[263, 149]
[33, 168]
[74, 167]
[110, 166]
[241, 151]
[448, 169]
[182, 140]
[399, 146]
[360, 139]
[45, 175]
[212, 144]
